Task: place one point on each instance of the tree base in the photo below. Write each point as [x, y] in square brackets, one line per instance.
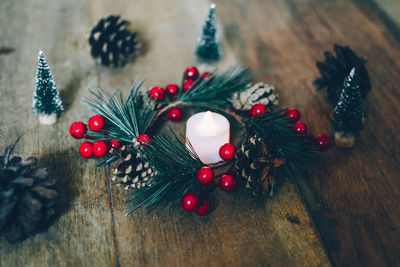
[344, 139]
[47, 119]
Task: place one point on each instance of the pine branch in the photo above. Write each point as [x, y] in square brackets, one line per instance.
[217, 90]
[176, 166]
[126, 119]
[296, 150]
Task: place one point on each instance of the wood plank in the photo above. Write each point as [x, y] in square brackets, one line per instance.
[356, 206]
[359, 223]
[391, 8]
[82, 235]
[239, 232]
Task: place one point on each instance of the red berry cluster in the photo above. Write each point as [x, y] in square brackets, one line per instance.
[89, 149]
[227, 182]
[205, 176]
[99, 148]
[191, 202]
[320, 141]
[190, 76]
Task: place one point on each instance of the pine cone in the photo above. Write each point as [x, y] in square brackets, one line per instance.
[335, 69]
[255, 93]
[132, 172]
[27, 197]
[112, 42]
[255, 166]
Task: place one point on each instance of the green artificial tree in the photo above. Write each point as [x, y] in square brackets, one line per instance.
[208, 46]
[348, 115]
[47, 102]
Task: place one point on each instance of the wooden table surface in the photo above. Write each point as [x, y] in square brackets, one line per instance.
[346, 213]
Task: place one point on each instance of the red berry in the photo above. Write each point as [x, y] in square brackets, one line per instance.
[172, 90]
[144, 139]
[203, 209]
[205, 175]
[157, 93]
[187, 84]
[227, 183]
[85, 150]
[293, 114]
[322, 142]
[77, 130]
[258, 109]
[300, 127]
[174, 114]
[96, 123]
[115, 144]
[204, 75]
[191, 73]
[99, 149]
[189, 202]
[227, 151]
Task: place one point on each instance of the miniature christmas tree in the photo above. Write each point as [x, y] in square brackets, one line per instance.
[208, 46]
[349, 113]
[47, 103]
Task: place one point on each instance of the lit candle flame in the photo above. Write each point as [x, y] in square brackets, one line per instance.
[208, 125]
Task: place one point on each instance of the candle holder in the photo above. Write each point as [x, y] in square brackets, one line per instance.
[160, 167]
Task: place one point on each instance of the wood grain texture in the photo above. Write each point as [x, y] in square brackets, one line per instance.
[238, 232]
[391, 8]
[92, 228]
[353, 195]
[81, 235]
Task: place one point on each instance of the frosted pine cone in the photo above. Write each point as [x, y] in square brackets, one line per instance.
[256, 93]
[132, 172]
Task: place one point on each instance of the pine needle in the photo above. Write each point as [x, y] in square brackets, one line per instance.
[276, 129]
[176, 165]
[216, 90]
[123, 122]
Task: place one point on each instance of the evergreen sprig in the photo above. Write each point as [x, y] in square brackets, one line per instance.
[296, 150]
[176, 166]
[216, 90]
[126, 119]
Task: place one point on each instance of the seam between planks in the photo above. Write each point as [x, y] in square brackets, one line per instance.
[310, 197]
[112, 215]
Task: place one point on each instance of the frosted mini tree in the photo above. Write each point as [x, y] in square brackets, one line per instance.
[208, 46]
[47, 104]
[348, 115]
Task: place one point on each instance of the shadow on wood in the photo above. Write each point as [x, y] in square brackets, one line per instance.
[60, 167]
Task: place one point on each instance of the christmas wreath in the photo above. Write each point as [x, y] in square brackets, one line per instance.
[164, 169]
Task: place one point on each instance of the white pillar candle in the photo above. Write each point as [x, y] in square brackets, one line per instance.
[207, 132]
